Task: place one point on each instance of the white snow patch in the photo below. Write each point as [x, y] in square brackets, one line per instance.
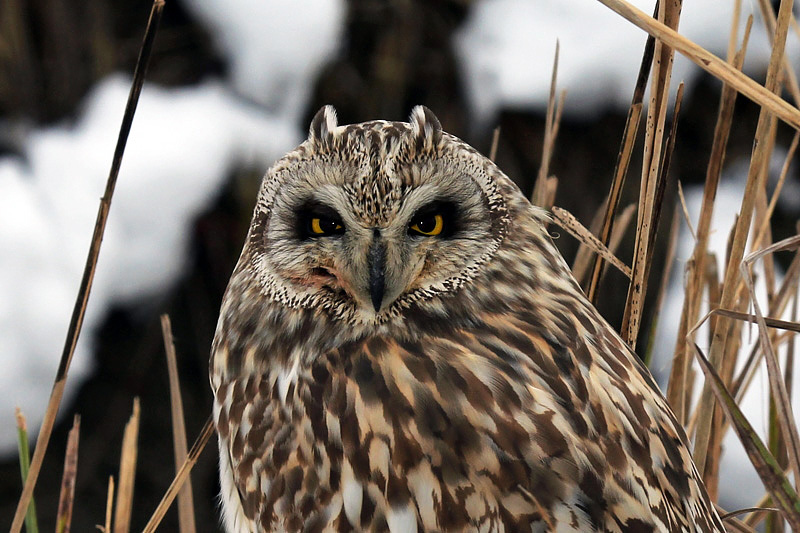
[183, 144]
[507, 47]
[275, 48]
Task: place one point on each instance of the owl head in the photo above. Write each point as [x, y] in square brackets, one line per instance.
[363, 220]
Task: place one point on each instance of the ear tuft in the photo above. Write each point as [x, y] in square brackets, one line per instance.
[323, 124]
[425, 127]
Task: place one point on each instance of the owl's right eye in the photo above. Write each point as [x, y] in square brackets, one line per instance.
[321, 225]
[319, 221]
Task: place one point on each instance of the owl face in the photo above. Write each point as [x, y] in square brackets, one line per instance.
[363, 220]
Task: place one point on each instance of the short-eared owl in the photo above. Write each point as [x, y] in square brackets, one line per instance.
[401, 348]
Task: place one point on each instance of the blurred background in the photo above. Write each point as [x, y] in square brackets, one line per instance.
[232, 86]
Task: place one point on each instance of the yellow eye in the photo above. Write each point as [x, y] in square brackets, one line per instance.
[325, 226]
[430, 225]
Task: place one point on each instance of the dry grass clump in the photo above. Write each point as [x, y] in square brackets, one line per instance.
[730, 293]
[708, 413]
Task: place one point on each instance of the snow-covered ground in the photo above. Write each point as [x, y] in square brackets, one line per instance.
[185, 141]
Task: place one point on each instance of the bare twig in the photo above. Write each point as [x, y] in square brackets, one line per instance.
[180, 477]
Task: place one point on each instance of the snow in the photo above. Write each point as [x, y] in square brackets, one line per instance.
[507, 49]
[183, 144]
[275, 47]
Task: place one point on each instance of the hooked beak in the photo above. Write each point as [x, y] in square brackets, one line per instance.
[377, 270]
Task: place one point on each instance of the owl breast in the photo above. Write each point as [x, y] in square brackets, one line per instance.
[360, 441]
[489, 432]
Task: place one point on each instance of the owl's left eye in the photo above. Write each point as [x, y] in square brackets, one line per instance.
[437, 219]
[429, 225]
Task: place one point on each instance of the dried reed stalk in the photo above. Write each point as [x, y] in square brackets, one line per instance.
[566, 220]
[583, 259]
[685, 209]
[770, 22]
[31, 522]
[768, 469]
[731, 523]
[180, 477]
[653, 179]
[777, 305]
[109, 505]
[185, 499]
[658, 201]
[581, 263]
[67, 495]
[723, 329]
[702, 272]
[76, 322]
[672, 246]
[495, 142]
[543, 193]
[708, 61]
[623, 158]
[782, 401]
[764, 225]
[127, 472]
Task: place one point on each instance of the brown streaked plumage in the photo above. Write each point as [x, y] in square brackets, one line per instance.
[401, 348]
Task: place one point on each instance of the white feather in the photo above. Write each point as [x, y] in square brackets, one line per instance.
[233, 516]
[353, 494]
[401, 520]
[286, 377]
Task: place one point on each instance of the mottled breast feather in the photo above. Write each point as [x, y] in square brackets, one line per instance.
[504, 403]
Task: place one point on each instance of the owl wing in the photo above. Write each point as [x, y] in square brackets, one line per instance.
[506, 422]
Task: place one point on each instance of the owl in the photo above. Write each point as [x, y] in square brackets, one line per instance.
[401, 348]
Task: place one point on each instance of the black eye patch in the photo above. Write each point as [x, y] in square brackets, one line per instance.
[436, 219]
[318, 220]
